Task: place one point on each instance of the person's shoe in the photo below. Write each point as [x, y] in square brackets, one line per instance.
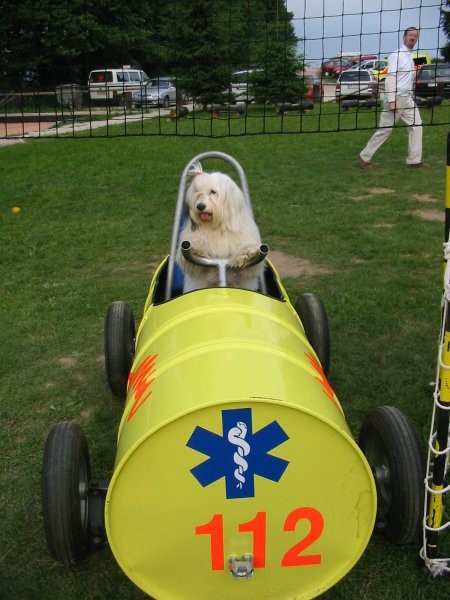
[364, 164]
[420, 165]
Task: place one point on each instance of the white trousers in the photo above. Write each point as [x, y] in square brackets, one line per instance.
[407, 111]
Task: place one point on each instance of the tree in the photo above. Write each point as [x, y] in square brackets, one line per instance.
[208, 40]
[445, 24]
[275, 54]
[195, 41]
[61, 41]
[201, 42]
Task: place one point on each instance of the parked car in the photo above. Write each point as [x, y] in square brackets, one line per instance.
[110, 85]
[433, 80]
[373, 65]
[360, 58]
[355, 83]
[335, 66]
[157, 92]
[338, 64]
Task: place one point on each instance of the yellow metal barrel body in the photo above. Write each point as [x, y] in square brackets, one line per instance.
[236, 475]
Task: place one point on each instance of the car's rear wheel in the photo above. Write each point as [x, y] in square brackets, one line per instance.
[166, 102]
[313, 316]
[120, 334]
[65, 493]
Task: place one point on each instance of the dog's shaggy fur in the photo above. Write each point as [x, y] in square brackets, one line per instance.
[219, 224]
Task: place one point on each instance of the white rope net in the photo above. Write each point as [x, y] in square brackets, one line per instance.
[440, 494]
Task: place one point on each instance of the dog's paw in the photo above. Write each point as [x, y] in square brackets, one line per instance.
[244, 260]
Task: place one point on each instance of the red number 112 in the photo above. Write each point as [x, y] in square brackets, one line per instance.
[294, 557]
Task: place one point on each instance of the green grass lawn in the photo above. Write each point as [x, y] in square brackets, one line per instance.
[96, 220]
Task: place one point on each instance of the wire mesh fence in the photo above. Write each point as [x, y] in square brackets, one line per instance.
[299, 66]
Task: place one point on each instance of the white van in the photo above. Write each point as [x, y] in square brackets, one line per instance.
[110, 85]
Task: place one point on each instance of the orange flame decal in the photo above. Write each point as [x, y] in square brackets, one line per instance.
[139, 384]
[322, 379]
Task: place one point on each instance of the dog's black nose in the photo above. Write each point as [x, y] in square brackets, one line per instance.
[201, 206]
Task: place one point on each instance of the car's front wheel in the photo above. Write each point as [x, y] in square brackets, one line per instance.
[65, 493]
[392, 449]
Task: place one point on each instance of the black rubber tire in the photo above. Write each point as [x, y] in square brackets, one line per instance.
[166, 102]
[120, 334]
[313, 316]
[66, 474]
[393, 451]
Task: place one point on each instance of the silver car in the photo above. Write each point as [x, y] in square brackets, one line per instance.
[157, 92]
[355, 84]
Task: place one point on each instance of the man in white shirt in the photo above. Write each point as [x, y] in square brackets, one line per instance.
[399, 104]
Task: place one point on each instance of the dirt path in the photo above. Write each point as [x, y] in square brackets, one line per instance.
[15, 129]
[11, 133]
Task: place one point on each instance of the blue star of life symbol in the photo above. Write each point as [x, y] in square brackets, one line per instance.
[239, 454]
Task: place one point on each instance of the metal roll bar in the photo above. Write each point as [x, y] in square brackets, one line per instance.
[180, 205]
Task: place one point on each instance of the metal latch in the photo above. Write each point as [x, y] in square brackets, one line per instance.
[241, 567]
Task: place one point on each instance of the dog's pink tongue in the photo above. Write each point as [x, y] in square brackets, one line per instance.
[204, 216]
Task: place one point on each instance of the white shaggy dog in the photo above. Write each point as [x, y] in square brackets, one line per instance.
[219, 225]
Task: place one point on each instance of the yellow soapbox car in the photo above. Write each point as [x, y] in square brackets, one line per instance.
[236, 475]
